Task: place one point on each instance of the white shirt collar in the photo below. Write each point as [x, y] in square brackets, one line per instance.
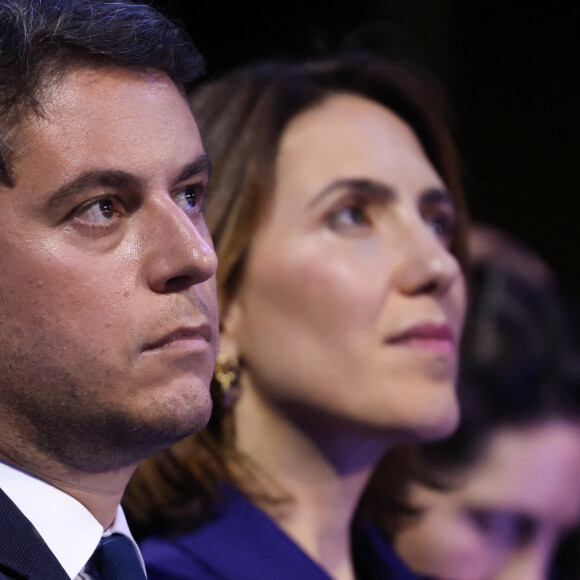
[67, 527]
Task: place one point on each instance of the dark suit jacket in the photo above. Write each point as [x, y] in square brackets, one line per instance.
[23, 553]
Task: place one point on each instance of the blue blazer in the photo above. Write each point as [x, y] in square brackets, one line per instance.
[240, 542]
[23, 553]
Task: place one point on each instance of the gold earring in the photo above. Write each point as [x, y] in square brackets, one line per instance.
[226, 373]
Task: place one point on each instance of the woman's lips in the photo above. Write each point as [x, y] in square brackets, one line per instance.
[427, 336]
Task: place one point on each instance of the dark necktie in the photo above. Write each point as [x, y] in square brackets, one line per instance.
[116, 558]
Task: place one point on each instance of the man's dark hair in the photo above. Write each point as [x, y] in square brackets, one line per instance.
[41, 39]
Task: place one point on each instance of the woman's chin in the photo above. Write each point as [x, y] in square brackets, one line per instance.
[438, 425]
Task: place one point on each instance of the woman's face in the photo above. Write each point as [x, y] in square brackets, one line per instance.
[505, 519]
[351, 306]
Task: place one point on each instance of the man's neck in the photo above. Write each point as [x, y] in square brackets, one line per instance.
[100, 493]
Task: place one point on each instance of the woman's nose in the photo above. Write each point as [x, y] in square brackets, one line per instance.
[425, 264]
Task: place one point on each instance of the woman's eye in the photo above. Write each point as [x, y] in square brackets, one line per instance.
[443, 226]
[100, 212]
[349, 216]
[189, 199]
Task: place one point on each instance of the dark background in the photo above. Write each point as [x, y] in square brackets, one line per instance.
[511, 71]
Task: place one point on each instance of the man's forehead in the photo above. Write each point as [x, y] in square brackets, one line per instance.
[78, 83]
[83, 92]
[74, 87]
[108, 118]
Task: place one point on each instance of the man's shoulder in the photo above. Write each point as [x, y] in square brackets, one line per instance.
[23, 553]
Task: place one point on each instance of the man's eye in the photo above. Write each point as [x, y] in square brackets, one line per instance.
[190, 198]
[100, 212]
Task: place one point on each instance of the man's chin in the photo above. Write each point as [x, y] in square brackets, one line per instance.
[163, 434]
[185, 426]
[170, 420]
[117, 442]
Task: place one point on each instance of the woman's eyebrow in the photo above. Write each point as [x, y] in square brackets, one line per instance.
[373, 189]
[436, 195]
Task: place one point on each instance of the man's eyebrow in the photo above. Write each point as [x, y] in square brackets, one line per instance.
[371, 188]
[201, 166]
[88, 180]
[118, 178]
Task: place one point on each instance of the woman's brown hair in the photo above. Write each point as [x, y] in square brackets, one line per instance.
[242, 117]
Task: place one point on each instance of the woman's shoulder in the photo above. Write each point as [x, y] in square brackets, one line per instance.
[239, 542]
[166, 559]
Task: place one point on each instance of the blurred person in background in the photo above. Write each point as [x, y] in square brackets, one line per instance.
[510, 474]
[338, 218]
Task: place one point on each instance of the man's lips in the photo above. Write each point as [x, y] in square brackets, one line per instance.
[430, 336]
[183, 337]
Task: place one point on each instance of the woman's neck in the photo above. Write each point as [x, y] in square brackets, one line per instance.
[323, 470]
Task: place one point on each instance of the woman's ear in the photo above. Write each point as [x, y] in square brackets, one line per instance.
[227, 369]
[230, 321]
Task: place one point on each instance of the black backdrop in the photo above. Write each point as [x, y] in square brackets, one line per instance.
[511, 71]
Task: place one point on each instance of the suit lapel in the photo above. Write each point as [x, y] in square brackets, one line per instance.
[22, 550]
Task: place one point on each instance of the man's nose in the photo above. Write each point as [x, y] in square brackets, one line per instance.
[178, 248]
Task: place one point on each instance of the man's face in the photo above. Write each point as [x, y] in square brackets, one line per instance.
[108, 315]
